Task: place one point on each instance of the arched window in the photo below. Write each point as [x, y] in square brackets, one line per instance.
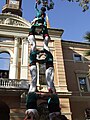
[4, 64]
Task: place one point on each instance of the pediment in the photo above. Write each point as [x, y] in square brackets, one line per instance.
[13, 20]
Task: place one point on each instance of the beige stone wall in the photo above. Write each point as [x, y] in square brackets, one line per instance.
[65, 107]
[61, 79]
[17, 114]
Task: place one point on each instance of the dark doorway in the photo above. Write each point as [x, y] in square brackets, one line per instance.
[4, 111]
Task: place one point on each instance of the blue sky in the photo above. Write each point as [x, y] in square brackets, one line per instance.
[65, 15]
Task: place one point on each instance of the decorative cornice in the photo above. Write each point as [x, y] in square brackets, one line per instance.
[13, 20]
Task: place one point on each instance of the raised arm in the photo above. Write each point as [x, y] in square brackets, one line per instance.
[37, 11]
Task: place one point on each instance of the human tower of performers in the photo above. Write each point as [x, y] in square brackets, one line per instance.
[41, 56]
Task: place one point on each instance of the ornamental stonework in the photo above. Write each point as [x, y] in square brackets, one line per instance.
[13, 20]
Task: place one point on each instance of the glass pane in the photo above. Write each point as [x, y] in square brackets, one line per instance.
[82, 83]
[77, 57]
[4, 61]
[4, 55]
[4, 64]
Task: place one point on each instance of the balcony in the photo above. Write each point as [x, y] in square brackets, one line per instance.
[22, 85]
[15, 84]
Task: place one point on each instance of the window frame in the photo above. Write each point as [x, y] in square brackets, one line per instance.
[77, 55]
[87, 82]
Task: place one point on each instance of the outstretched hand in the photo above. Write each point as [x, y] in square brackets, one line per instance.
[38, 2]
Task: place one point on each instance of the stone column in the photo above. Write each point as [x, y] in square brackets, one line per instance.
[61, 77]
[14, 66]
[24, 59]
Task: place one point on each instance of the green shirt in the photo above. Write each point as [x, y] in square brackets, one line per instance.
[54, 99]
[33, 57]
[31, 97]
[49, 58]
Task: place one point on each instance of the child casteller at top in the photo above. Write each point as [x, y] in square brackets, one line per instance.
[39, 21]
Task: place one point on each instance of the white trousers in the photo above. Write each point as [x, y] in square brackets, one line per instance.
[46, 41]
[50, 78]
[32, 41]
[33, 72]
[33, 113]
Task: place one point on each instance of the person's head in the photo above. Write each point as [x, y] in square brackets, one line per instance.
[43, 9]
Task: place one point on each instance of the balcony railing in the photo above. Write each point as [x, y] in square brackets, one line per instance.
[14, 83]
[24, 84]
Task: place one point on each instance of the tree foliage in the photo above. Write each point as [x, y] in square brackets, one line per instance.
[87, 36]
[82, 3]
[49, 4]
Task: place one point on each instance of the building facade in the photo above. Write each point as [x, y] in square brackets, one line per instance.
[71, 68]
[77, 67]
